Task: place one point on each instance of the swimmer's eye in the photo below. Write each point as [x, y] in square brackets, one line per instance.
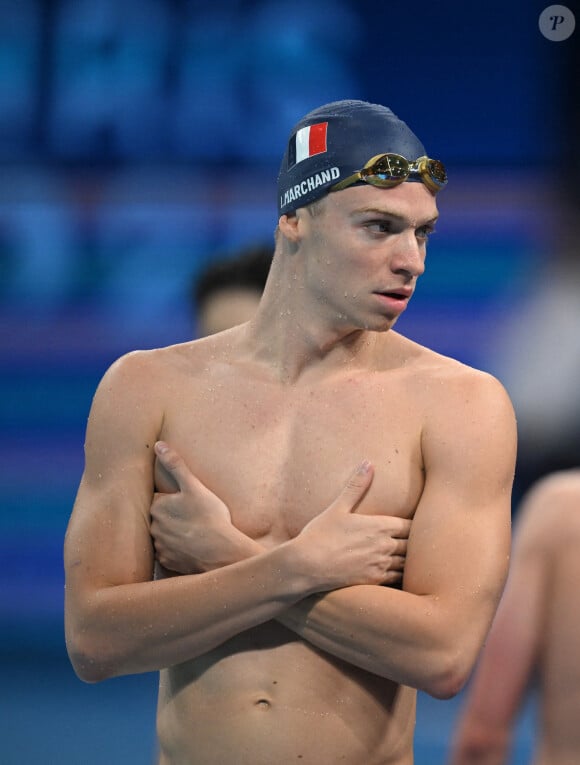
[424, 232]
[380, 226]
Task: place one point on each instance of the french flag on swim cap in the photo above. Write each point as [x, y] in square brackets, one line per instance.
[307, 142]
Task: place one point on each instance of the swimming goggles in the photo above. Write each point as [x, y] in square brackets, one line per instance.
[387, 170]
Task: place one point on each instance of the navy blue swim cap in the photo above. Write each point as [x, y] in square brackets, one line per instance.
[334, 141]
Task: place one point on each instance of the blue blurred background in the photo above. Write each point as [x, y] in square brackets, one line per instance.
[139, 141]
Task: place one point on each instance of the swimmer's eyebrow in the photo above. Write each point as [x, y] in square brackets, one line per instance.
[381, 212]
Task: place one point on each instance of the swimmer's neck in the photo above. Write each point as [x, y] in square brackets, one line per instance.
[292, 350]
[299, 330]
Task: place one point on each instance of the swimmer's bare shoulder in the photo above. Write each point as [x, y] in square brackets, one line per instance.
[448, 386]
[156, 368]
[128, 411]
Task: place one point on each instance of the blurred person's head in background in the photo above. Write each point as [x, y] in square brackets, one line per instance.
[228, 291]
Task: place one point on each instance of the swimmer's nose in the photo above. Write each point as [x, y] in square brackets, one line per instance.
[409, 255]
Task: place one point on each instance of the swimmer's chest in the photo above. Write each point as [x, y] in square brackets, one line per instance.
[278, 457]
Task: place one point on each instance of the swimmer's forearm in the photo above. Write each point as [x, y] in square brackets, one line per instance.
[234, 546]
[393, 634]
[146, 626]
[318, 620]
[362, 643]
[295, 617]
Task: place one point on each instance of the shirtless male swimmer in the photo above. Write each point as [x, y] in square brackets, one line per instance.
[303, 448]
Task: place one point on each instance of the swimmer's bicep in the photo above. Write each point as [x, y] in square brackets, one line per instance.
[469, 445]
[108, 536]
[452, 551]
[124, 422]
[460, 535]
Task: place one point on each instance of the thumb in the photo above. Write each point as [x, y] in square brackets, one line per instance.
[174, 464]
[355, 489]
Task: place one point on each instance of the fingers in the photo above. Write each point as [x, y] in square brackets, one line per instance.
[394, 574]
[392, 578]
[397, 527]
[397, 563]
[355, 489]
[157, 497]
[174, 464]
[399, 547]
[401, 527]
[164, 506]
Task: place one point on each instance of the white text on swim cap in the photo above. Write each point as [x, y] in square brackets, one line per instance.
[308, 185]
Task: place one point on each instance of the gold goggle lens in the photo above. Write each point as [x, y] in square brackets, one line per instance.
[387, 170]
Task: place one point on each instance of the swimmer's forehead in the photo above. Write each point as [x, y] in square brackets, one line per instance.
[410, 205]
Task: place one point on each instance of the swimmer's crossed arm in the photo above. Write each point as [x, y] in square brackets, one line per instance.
[192, 528]
[119, 621]
[428, 636]
[167, 621]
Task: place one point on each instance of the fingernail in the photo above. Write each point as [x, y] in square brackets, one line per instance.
[161, 447]
[364, 467]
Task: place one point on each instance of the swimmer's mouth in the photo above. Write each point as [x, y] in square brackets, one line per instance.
[401, 294]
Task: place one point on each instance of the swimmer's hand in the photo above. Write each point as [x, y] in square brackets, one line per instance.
[192, 529]
[339, 547]
[192, 532]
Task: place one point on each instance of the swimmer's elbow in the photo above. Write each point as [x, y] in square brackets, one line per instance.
[89, 668]
[446, 685]
[91, 671]
[89, 660]
[450, 661]
[449, 676]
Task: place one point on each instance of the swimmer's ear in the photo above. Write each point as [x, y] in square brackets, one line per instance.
[288, 225]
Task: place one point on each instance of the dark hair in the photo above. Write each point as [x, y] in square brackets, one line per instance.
[248, 268]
